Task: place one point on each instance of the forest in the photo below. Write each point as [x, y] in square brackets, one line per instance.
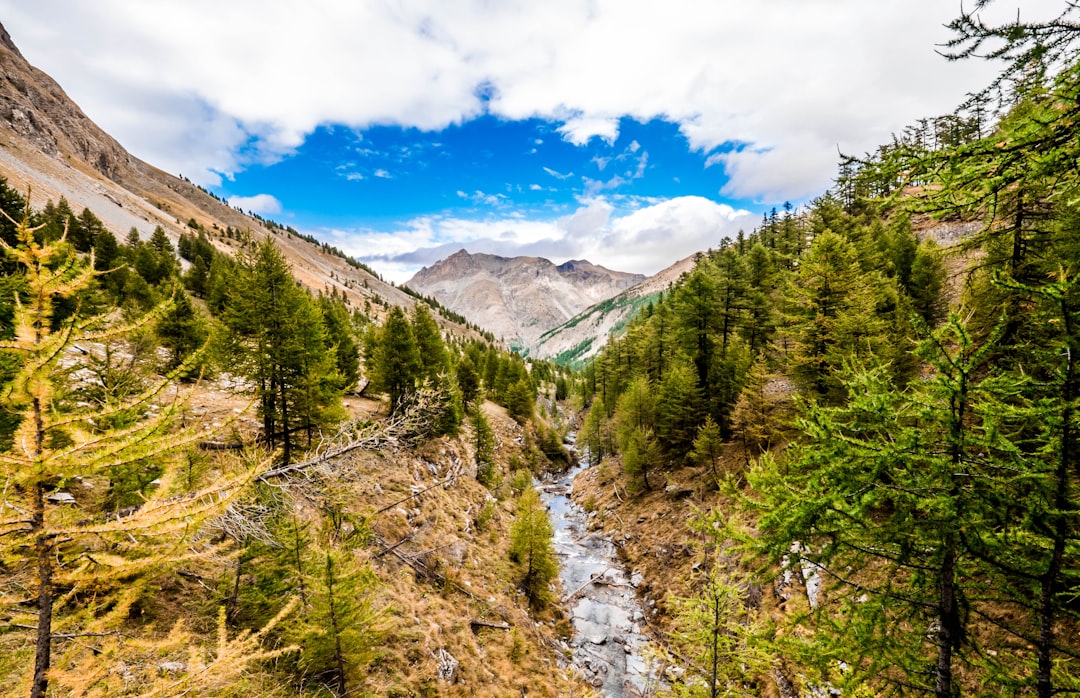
[882, 389]
[875, 395]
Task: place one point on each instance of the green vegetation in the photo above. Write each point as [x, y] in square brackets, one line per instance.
[908, 438]
[531, 548]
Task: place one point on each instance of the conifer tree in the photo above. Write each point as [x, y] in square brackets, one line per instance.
[181, 331]
[47, 546]
[341, 339]
[716, 631]
[635, 417]
[434, 360]
[340, 632]
[707, 448]
[679, 410]
[532, 549]
[281, 345]
[881, 497]
[396, 362]
[593, 433]
[832, 314]
[484, 443]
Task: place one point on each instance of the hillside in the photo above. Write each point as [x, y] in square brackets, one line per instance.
[519, 298]
[581, 337]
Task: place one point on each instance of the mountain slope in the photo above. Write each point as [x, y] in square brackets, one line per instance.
[50, 148]
[582, 336]
[518, 298]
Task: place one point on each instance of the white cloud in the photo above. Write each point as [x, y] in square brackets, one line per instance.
[645, 240]
[480, 197]
[263, 204]
[579, 130]
[794, 79]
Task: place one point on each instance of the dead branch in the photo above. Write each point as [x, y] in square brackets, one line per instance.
[400, 428]
[414, 495]
[393, 547]
[219, 445]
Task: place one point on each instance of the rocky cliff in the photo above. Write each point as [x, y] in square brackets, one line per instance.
[583, 335]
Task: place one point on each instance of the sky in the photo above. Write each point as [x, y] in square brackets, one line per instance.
[631, 133]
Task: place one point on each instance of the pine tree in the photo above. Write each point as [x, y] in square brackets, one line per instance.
[182, 331]
[395, 366]
[280, 344]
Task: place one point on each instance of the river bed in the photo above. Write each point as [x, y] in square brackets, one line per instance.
[609, 644]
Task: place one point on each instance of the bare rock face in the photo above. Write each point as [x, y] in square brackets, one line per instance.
[36, 108]
[519, 298]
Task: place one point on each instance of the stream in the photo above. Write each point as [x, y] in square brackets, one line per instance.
[609, 644]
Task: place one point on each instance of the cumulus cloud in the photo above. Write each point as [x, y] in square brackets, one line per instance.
[262, 204]
[794, 80]
[644, 240]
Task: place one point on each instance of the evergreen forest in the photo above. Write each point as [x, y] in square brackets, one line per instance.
[881, 389]
[842, 450]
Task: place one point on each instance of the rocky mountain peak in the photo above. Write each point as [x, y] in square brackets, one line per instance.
[518, 298]
[6, 42]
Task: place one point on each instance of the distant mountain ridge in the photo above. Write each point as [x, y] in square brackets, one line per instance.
[518, 298]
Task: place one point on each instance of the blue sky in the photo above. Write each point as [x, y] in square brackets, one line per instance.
[483, 168]
[628, 132]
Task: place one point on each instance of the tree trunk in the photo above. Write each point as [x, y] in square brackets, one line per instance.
[947, 622]
[1049, 580]
[43, 650]
[286, 451]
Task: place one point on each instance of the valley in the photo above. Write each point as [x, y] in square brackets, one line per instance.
[832, 454]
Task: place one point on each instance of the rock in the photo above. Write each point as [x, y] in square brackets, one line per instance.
[60, 498]
[447, 665]
[678, 491]
[172, 668]
[637, 579]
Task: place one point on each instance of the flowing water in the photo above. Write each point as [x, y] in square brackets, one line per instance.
[609, 642]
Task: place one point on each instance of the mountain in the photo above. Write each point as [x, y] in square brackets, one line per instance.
[582, 336]
[50, 148]
[518, 298]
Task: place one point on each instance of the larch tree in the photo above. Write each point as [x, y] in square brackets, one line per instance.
[881, 497]
[831, 312]
[54, 546]
[395, 364]
[532, 549]
[279, 343]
